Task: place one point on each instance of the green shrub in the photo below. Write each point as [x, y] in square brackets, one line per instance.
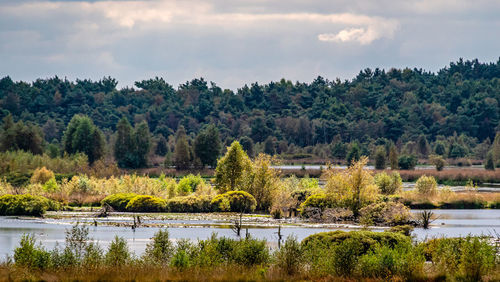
[50, 186]
[344, 256]
[190, 203]
[386, 213]
[389, 184]
[407, 162]
[289, 257]
[25, 204]
[144, 203]
[234, 201]
[160, 249]
[251, 252]
[118, 253]
[321, 201]
[189, 183]
[118, 201]
[28, 254]
[368, 239]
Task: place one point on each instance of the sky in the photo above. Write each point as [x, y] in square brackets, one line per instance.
[237, 42]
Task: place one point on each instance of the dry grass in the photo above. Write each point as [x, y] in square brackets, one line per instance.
[450, 199]
[458, 175]
[149, 273]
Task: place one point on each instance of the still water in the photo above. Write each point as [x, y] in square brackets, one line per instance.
[49, 232]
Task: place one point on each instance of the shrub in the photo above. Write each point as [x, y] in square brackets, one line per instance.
[320, 201]
[368, 239]
[389, 184]
[28, 254]
[23, 205]
[386, 213]
[426, 185]
[290, 256]
[407, 162]
[251, 252]
[235, 201]
[41, 175]
[50, 186]
[190, 203]
[118, 253]
[344, 256]
[118, 201]
[160, 249]
[189, 183]
[437, 161]
[380, 154]
[143, 203]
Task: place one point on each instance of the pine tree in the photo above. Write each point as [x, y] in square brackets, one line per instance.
[232, 169]
[182, 151]
[354, 154]
[380, 158]
[123, 144]
[82, 136]
[490, 162]
[142, 145]
[393, 157]
[207, 146]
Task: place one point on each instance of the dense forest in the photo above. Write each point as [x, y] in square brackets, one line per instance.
[453, 113]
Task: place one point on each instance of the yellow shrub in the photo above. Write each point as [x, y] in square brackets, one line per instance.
[42, 175]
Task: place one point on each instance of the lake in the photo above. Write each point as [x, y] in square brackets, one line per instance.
[51, 231]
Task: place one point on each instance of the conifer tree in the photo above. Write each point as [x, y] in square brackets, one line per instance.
[232, 168]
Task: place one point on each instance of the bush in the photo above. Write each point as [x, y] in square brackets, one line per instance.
[189, 183]
[290, 256]
[426, 185]
[190, 203]
[119, 201]
[438, 161]
[50, 186]
[251, 251]
[41, 175]
[118, 253]
[160, 249]
[389, 184]
[143, 203]
[319, 201]
[386, 213]
[28, 254]
[23, 205]
[234, 201]
[368, 239]
[407, 162]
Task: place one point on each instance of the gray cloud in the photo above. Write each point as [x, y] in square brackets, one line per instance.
[242, 42]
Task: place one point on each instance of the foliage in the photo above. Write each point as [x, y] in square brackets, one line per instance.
[354, 154]
[23, 205]
[118, 201]
[207, 145]
[234, 201]
[132, 146]
[118, 252]
[385, 213]
[189, 184]
[20, 136]
[160, 249]
[82, 136]
[426, 185]
[191, 203]
[389, 184]
[262, 182]
[232, 168]
[41, 175]
[438, 161]
[182, 151]
[354, 186]
[144, 203]
[407, 162]
[393, 157]
[290, 256]
[490, 162]
[380, 158]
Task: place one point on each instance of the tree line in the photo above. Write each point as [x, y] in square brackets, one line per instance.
[452, 113]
